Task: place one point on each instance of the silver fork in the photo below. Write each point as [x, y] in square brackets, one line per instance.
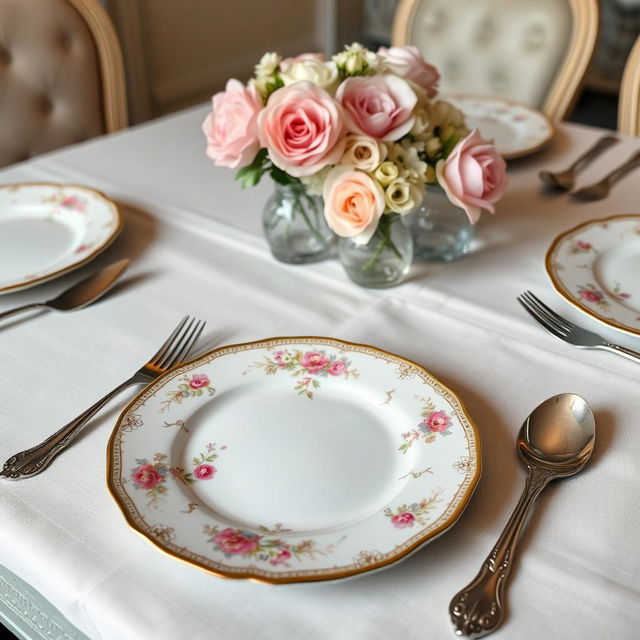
[569, 332]
[175, 350]
[601, 189]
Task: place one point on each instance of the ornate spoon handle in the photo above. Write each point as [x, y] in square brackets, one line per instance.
[601, 145]
[478, 609]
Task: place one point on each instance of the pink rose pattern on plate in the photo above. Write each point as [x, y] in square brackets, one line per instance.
[276, 551]
[190, 387]
[433, 422]
[406, 515]
[309, 366]
[151, 477]
[61, 201]
[202, 470]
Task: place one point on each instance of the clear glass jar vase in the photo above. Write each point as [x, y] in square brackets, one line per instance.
[382, 262]
[295, 227]
[441, 231]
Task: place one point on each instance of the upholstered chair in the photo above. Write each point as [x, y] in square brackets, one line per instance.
[531, 51]
[629, 102]
[61, 76]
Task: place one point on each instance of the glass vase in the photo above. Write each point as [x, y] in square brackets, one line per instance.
[385, 260]
[295, 227]
[441, 231]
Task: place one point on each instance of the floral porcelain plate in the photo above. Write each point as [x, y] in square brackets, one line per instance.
[293, 459]
[47, 230]
[596, 267]
[517, 130]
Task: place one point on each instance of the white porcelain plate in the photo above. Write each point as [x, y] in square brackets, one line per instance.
[596, 267]
[293, 459]
[516, 129]
[47, 230]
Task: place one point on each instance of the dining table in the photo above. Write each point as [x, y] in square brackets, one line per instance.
[71, 566]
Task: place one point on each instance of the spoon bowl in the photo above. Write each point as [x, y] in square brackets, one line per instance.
[555, 441]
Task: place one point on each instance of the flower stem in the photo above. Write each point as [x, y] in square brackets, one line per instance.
[300, 208]
[383, 232]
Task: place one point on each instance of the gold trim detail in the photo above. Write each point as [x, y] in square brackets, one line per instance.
[360, 565]
[548, 262]
[88, 258]
[629, 101]
[567, 82]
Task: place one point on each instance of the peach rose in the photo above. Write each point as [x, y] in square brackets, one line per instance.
[231, 128]
[378, 106]
[353, 203]
[303, 129]
[408, 63]
[473, 176]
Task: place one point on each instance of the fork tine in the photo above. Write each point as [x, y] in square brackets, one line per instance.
[177, 344]
[155, 358]
[540, 319]
[190, 342]
[534, 304]
[563, 322]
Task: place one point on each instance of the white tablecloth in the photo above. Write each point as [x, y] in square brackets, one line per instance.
[197, 247]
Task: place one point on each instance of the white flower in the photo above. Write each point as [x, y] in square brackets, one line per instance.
[402, 197]
[357, 60]
[444, 114]
[315, 183]
[411, 167]
[322, 74]
[386, 173]
[363, 152]
[268, 64]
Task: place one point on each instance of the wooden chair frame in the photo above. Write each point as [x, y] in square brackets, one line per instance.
[566, 85]
[114, 91]
[629, 101]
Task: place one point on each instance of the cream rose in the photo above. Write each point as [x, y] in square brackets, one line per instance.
[310, 69]
[401, 196]
[473, 176]
[386, 173]
[363, 152]
[302, 127]
[353, 203]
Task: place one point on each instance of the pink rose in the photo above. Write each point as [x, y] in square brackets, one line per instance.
[584, 245]
[437, 421]
[278, 358]
[232, 127]
[204, 471]
[353, 203]
[473, 176]
[302, 126]
[232, 541]
[378, 106]
[313, 361]
[199, 380]
[146, 476]
[337, 368]
[281, 558]
[403, 520]
[591, 296]
[408, 63]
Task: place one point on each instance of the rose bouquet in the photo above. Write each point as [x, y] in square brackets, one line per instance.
[363, 130]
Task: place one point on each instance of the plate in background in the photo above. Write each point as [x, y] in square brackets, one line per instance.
[47, 230]
[516, 129]
[596, 267]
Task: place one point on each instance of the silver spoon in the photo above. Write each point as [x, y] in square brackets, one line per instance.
[80, 294]
[564, 180]
[555, 441]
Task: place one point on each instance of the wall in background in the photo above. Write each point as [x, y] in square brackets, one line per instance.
[179, 52]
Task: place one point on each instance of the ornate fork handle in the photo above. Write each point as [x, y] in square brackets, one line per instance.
[601, 145]
[34, 460]
[623, 169]
[623, 351]
[478, 609]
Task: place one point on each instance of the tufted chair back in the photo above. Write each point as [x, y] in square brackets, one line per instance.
[61, 76]
[531, 51]
[629, 102]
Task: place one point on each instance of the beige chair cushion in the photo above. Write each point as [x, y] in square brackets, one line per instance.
[50, 93]
[507, 48]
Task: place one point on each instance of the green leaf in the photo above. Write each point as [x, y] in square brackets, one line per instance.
[251, 174]
[281, 177]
